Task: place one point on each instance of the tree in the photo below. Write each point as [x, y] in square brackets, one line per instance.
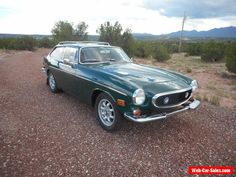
[80, 32]
[113, 34]
[63, 30]
[128, 42]
[110, 33]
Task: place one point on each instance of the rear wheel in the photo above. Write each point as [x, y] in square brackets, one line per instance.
[52, 83]
[107, 114]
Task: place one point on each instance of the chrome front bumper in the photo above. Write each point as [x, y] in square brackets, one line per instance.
[143, 119]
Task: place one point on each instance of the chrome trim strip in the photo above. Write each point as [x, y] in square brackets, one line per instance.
[84, 42]
[168, 93]
[91, 81]
[195, 104]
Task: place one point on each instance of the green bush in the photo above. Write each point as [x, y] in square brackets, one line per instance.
[212, 51]
[25, 43]
[20, 43]
[230, 58]
[154, 49]
[172, 47]
[160, 53]
[141, 49]
[7, 43]
[46, 42]
[193, 49]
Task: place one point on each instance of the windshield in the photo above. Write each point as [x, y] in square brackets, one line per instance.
[103, 54]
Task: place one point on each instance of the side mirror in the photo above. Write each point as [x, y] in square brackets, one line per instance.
[132, 59]
[67, 61]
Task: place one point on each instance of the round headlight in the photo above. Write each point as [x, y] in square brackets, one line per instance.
[138, 97]
[194, 85]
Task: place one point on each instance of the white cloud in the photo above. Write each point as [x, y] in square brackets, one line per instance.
[195, 9]
[38, 17]
[206, 24]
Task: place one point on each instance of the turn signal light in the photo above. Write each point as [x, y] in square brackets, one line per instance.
[137, 112]
[120, 102]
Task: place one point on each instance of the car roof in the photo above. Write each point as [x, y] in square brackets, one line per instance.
[83, 43]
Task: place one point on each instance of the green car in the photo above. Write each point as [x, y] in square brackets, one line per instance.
[106, 78]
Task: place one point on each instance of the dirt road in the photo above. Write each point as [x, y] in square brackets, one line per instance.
[45, 134]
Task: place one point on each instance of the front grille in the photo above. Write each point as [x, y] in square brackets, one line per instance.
[172, 99]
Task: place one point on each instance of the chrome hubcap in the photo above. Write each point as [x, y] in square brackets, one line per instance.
[52, 82]
[106, 112]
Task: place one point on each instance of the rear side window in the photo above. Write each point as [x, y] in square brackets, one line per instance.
[57, 53]
[71, 54]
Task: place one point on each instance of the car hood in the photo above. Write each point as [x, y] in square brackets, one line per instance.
[152, 80]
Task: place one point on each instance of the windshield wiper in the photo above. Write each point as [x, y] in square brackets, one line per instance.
[110, 59]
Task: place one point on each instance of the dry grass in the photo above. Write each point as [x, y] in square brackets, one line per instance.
[205, 98]
[215, 100]
[188, 70]
[234, 87]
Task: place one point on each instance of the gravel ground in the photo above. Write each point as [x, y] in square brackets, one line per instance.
[45, 134]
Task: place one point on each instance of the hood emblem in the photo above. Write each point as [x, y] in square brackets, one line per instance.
[166, 100]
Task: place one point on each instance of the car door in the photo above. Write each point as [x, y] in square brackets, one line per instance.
[68, 67]
[55, 58]
[74, 81]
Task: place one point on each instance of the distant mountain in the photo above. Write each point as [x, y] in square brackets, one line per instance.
[226, 32]
[219, 33]
[37, 36]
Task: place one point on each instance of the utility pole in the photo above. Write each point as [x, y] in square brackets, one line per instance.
[181, 34]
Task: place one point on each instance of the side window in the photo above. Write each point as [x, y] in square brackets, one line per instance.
[57, 53]
[71, 54]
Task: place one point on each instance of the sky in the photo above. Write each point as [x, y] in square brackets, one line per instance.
[141, 16]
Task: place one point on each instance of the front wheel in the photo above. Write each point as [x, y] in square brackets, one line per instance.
[107, 114]
[52, 83]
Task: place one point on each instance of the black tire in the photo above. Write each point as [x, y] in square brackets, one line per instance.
[52, 83]
[104, 100]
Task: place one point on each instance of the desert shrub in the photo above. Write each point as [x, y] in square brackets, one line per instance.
[25, 43]
[230, 58]
[20, 43]
[46, 42]
[234, 87]
[193, 49]
[172, 47]
[7, 43]
[212, 51]
[205, 98]
[198, 97]
[142, 49]
[154, 49]
[160, 53]
[188, 70]
[215, 100]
